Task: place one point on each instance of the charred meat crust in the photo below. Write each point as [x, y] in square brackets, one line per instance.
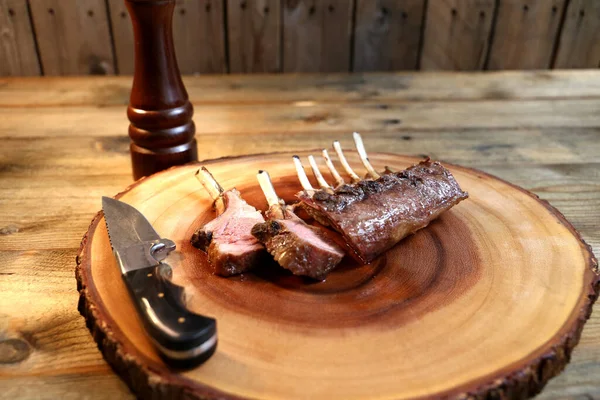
[374, 215]
[298, 247]
[266, 230]
[227, 264]
[347, 194]
[201, 239]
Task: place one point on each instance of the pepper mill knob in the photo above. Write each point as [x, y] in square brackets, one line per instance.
[161, 129]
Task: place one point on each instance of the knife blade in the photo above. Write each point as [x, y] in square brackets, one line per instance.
[183, 339]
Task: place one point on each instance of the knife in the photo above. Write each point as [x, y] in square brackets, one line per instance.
[183, 339]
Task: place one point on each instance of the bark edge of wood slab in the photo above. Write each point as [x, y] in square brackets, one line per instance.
[567, 296]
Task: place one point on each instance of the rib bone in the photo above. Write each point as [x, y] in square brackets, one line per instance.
[360, 147]
[338, 179]
[315, 168]
[210, 183]
[276, 205]
[302, 175]
[213, 188]
[338, 149]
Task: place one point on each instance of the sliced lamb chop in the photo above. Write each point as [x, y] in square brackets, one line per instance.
[375, 213]
[296, 246]
[227, 240]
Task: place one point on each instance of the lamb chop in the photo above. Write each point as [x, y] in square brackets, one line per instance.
[296, 246]
[227, 240]
[375, 213]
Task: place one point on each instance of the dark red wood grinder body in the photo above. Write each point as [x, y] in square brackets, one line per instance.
[161, 129]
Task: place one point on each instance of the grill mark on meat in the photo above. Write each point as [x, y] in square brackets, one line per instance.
[374, 215]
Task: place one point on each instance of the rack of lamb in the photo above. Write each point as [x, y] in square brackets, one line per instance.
[373, 214]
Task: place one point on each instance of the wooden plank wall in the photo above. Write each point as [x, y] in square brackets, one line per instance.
[79, 37]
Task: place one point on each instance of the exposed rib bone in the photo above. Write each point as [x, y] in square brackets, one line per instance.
[302, 175]
[301, 248]
[338, 179]
[276, 205]
[215, 191]
[360, 147]
[264, 180]
[210, 183]
[338, 149]
[315, 168]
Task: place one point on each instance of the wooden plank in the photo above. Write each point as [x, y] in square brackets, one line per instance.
[59, 341]
[73, 37]
[500, 153]
[36, 211]
[525, 33]
[18, 55]
[309, 89]
[387, 35]
[318, 118]
[579, 43]
[572, 188]
[199, 36]
[33, 222]
[316, 35]
[104, 384]
[122, 33]
[79, 162]
[457, 34]
[254, 35]
[58, 223]
[51, 184]
[41, 232]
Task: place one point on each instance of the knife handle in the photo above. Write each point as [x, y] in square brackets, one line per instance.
[183, 338]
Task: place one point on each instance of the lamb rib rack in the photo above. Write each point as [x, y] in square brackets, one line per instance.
[301, 248]
[227, 239]
[375, 213]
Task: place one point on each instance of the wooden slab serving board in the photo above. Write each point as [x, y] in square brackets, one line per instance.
[487, 301]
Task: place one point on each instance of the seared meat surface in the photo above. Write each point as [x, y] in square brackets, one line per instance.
[227, 239]
[301, 248]
[375, 214]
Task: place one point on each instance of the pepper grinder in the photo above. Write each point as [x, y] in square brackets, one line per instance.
[160, 115]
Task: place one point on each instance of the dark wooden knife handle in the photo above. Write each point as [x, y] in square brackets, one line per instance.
[184, 339]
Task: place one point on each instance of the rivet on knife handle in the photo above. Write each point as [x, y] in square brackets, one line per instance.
[180, 335]
[183, 338]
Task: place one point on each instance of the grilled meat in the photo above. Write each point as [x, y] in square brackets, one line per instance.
[375, 214]
[227, 239]
[301, 248]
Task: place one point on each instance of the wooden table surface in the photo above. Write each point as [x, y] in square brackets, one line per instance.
[64, 144]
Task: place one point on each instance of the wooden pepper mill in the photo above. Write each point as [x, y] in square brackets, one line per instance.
[161, 129]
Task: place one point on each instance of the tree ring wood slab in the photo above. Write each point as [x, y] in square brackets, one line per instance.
[486, 302]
